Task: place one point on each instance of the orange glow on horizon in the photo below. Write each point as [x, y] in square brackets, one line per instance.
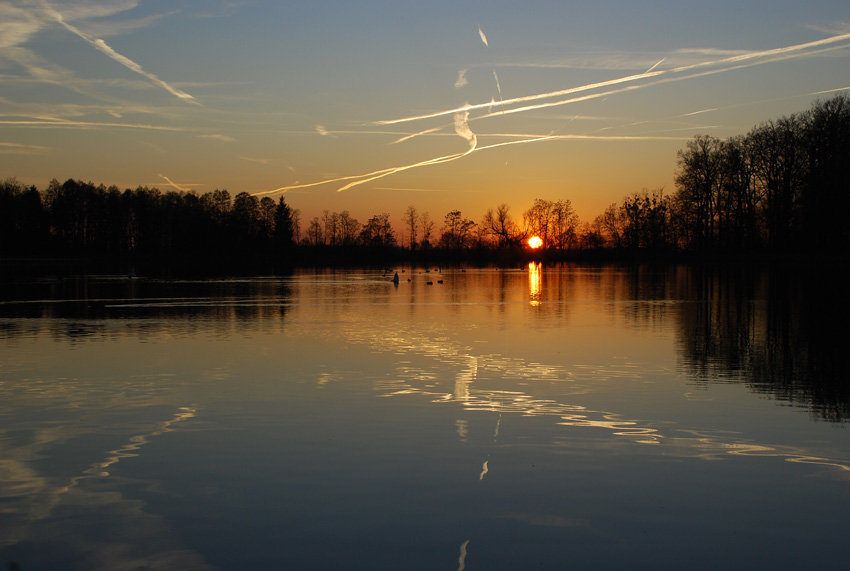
[535, 242]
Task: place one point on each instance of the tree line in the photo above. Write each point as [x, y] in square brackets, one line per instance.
[77, 218]
[782, 188]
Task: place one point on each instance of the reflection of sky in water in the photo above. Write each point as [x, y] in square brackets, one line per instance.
[494, 401]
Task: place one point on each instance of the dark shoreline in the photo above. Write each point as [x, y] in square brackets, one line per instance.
[310, 257]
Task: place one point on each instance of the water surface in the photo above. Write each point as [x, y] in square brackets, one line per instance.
[541, 417]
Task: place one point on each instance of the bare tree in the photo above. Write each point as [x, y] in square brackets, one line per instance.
[427, 226]
[411, 220]
[330, 222]
[499, 224]
[314, 232]
[538, 220]
[457, 231]
[296, 224]
[349, 228]
[564, 224]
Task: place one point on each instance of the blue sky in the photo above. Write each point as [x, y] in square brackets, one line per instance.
[539, 99]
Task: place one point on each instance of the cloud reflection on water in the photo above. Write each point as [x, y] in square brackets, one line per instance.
[478, 376]
[37, 506]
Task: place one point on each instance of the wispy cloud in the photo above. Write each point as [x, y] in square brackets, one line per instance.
[256, 160]
[461, 79]
[48, 123]
[17, 25]
[483, 36]
[20, 149]
[218, 137]
[20, 21]
[106, 49]
[414, 189]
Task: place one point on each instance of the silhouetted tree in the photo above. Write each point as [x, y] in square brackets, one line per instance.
[538, 220]
[315, 236]
[349, 229]
[427, 226]
[378, 232]
[457, 231]
[284, 236]
[564, 223]
[825, 202]
[411, 221]
[501, 226]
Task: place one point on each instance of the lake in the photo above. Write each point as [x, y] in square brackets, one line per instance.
[544, 416]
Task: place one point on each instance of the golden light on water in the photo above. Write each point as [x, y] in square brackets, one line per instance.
[534, 282]
[535, 242]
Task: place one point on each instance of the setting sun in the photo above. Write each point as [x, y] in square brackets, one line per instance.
[535, 242]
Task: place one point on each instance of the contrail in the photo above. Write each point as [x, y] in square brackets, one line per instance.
[318, 183]
[699, 112]
[368, 177]
[103, 47]
[412, 135]
[784, 51]
[461, 561]
[461, 79]
[174, 184]
[743, 60]
[829, 91]
[744, 65]
[656, 65]
[495, 75]
[498, 87]
[461, 128]
[521, 99]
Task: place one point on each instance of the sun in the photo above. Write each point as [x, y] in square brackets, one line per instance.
[535, 242]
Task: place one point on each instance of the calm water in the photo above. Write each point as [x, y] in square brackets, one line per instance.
[540, 417]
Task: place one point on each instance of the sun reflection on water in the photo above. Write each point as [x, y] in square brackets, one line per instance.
[535, 271]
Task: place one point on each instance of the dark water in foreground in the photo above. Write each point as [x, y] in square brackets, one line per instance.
[543, 417]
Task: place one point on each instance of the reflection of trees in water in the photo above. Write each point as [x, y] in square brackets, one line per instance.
[81, 308]
[782, 331]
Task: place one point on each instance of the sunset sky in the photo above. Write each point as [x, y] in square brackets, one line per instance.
[371, 106]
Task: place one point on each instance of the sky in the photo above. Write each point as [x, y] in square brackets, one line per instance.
[372, 106]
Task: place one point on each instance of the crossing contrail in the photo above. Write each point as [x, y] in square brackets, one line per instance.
[621, 85]
[748, 59]
[368, 177]
[656, 65]
[742, 65]
[461, 128]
